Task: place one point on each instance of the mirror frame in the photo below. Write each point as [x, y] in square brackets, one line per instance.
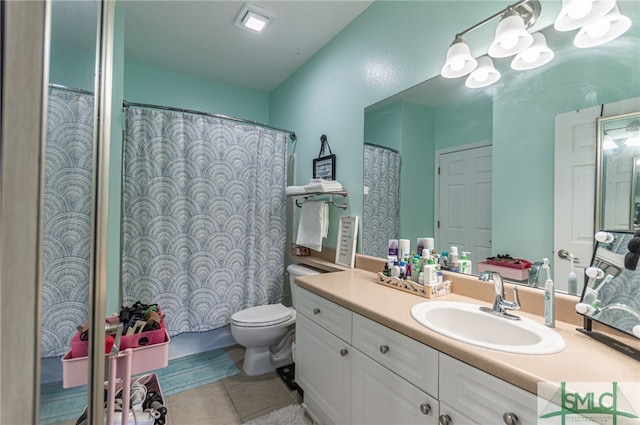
[600, 127]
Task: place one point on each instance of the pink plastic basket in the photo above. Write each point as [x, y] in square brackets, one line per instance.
[144, 359]
[80, 348]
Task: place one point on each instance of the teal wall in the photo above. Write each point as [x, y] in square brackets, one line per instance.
[385, 51]
[72, 66]
[391, 46]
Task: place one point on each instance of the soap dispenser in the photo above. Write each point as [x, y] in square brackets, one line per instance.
[465, 264]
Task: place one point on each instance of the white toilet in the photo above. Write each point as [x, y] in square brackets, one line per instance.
[256, 328]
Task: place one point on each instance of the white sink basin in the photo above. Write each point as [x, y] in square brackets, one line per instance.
[465, 322]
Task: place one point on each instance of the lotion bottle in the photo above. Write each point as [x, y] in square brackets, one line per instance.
[549, 297]
[465, 264]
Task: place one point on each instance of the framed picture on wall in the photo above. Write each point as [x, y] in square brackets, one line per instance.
[325, 167]
[347, 239]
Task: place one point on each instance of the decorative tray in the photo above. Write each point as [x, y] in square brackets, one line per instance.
[428, 291]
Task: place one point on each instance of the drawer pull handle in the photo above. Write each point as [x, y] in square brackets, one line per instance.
[384, 349]
[445, 420]
[425, 408]
[344, 352]
[510, 418]
[316, 311]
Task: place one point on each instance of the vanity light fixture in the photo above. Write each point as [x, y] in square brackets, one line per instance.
[459, 60]
[484, 75]
[578, 13]
[511, 38]
[253, 18]
[535, 55]
[602, 30]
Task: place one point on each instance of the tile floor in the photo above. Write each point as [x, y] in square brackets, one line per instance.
[232, 401]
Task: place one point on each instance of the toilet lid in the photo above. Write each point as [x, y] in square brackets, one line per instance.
[262, 315]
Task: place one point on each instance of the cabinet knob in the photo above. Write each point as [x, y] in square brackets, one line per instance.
[445, 420]
[425, 408]
[510, 418]
[344, 352]
[316, 311]
[384, 349]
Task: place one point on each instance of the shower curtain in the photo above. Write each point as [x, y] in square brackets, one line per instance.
[68, 181]
[381, 212]
[203, 216]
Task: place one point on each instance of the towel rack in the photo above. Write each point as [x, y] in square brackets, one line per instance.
[308, 195]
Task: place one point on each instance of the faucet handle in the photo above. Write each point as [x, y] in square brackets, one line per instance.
[515, 305]
[516, 301]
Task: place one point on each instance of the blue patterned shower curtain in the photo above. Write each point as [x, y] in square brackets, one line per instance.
[203, 216]
[68, 183]
[381, 212]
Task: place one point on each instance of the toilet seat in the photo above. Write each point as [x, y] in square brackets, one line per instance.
[262, 315]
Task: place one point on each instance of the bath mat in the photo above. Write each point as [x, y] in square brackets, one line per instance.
[289, 415]
[58, 404]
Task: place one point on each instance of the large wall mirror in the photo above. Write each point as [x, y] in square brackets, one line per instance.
[516, 117]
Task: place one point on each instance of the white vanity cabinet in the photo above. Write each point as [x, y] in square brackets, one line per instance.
[354, 370]
[471, 396]
[323, 357]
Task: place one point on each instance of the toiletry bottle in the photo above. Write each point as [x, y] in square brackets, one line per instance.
[395, 270]
[393, 248]
[549, 297]
[431, 272]
[386, 270]
[416, 269]
[465, 264]
[403, 269]
[454, 265]
[444, 260]
[572, 280]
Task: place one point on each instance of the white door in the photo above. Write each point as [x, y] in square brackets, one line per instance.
[574, 193]
[574, 183]
[463, 216]
[382, 397]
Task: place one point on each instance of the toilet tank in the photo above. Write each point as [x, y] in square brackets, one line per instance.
[298, 270]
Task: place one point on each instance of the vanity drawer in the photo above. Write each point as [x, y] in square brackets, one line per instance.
[483, 397]
[329, 315]
[412, 360]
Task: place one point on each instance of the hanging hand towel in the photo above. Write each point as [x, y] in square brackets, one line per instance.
[313, 225]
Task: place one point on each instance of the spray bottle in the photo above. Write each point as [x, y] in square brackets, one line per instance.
[572, 280]
[549, 297]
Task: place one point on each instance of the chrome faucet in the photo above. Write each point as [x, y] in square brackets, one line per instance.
[534, 272]
[500, 304]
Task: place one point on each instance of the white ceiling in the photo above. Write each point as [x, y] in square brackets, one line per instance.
[200, 38]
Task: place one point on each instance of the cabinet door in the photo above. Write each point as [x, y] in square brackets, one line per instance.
[323, 371]
[483, 397]
[450, 416]
[412, 360]
[382, 397]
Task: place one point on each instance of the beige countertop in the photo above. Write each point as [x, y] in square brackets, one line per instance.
[584, 359]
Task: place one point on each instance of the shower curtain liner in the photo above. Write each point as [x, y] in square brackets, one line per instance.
[203, 216]
[381, 212]
[68, 187]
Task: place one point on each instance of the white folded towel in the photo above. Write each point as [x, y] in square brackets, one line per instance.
[313, 225]
[295, 190]
[320, 185]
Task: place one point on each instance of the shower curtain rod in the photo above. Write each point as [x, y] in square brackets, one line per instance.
[382, 147]
[126, 104]
[71, 89]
